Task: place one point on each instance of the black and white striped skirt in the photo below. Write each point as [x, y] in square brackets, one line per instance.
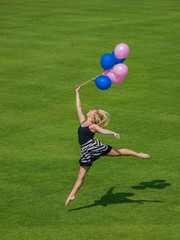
[92, 150]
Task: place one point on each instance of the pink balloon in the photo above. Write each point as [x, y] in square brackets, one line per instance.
[121, 70]
[121, 50]
[115, 79]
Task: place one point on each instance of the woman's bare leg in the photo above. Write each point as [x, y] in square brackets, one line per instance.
[78, 184]
[127, 152]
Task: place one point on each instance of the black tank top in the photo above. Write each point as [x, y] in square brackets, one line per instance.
[84, 134]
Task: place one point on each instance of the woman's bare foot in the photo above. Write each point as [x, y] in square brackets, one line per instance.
[70, 198]
[143, 155]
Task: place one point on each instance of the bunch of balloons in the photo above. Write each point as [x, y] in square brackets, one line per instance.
[118, 72]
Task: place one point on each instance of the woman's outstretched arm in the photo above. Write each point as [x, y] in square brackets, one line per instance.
[78, 105]
[104, 131]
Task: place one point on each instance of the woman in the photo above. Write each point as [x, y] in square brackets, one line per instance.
[92, 149]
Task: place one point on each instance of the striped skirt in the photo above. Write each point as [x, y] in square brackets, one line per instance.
[92, 150]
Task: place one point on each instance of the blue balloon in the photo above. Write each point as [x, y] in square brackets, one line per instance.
[117, 60]
[107, 61]
[103, 82]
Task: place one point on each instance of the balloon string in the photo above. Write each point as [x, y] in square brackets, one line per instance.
[90, 80]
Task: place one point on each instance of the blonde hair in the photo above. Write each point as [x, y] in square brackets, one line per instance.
[101, 118]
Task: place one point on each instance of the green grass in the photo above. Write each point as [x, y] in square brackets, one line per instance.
[47, 47]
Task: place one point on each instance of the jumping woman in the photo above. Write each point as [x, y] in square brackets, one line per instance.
[92, 149]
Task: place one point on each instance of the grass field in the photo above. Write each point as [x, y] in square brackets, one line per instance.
[46, 48]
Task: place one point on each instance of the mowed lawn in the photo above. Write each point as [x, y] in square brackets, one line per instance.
[47, 47]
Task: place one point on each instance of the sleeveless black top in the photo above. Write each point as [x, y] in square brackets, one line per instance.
[84, 134]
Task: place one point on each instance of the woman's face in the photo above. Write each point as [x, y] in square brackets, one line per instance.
[91, 113]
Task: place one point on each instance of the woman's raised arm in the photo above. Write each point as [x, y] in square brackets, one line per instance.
[78, 105]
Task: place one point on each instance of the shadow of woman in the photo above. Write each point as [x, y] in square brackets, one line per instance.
[114, 198]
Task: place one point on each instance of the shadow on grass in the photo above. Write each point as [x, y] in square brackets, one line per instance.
[114, 198]
[157, 184]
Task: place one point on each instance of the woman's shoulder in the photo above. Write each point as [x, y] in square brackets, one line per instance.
[95, 126]
[92, 127]
[83, 121]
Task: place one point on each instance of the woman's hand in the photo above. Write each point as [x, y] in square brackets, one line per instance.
[78, 87]
[117, 135]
